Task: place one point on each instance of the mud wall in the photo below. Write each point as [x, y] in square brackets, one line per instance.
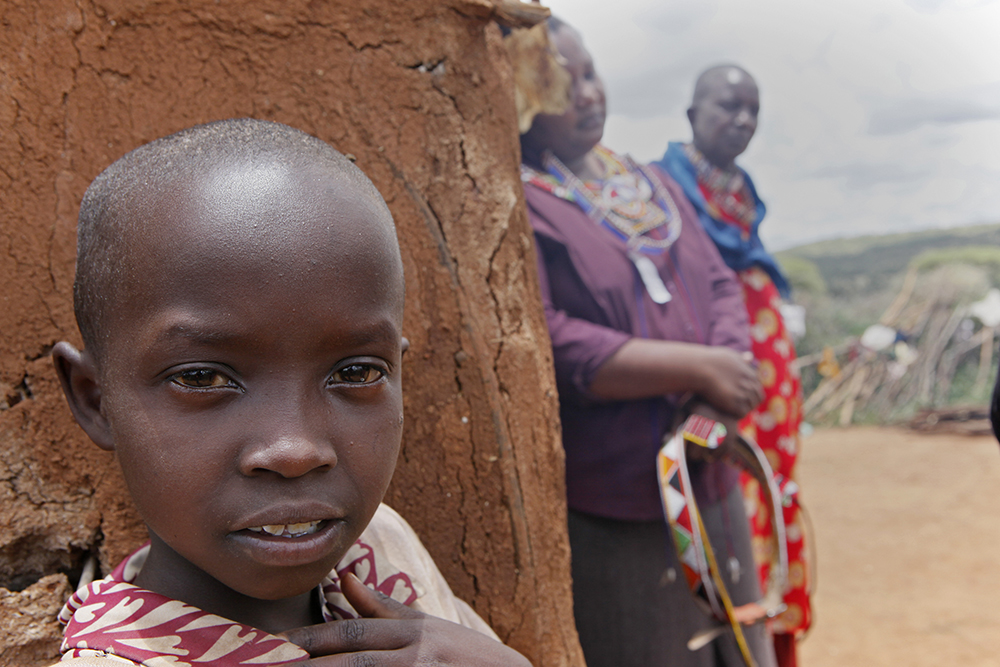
[419, 92]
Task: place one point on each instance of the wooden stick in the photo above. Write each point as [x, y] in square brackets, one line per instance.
[892, 312]
[951, 359]
[857, 383]
[876, 375]
[985, 358]
[816, 357]
[938, 343]
[828, 386]
[838, 397]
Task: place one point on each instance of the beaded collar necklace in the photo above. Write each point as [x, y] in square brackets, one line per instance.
[627, 199]
[727, 188]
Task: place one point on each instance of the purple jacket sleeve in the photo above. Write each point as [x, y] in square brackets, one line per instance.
[579, 347]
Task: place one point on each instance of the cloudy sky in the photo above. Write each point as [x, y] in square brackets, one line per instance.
[876, 115]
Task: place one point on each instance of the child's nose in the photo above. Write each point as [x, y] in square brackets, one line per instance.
[290, 457]
[292, 447]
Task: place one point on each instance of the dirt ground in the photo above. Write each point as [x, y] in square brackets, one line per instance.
[907, 528]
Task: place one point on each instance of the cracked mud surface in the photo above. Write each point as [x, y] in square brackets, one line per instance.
[419, 92]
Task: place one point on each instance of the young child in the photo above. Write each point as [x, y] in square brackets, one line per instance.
[239, 291]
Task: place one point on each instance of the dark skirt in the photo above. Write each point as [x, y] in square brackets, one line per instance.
[632, 605]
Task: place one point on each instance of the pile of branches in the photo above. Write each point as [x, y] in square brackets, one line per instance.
[920, 342]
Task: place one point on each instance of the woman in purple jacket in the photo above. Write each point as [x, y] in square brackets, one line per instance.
[642, 313]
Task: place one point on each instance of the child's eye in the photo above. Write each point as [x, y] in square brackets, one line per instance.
[358, 374]
[201, 378]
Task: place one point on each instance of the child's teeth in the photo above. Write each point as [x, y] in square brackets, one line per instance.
[288, 530]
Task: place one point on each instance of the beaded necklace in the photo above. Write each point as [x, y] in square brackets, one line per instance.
[727, 188]
[627, 200]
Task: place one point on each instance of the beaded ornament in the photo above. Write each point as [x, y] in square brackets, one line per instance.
[727, 190]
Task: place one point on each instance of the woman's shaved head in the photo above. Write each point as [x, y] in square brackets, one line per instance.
[719, 75]
[118, 206]
[723, 113]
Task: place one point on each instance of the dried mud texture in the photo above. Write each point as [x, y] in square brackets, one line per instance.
[420, 92]
[28, 622]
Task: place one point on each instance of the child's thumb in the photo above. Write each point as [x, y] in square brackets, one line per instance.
[371, 603]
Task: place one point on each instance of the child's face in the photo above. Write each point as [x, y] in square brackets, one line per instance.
[252, 379]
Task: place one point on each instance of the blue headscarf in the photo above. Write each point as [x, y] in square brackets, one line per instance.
[737, 253]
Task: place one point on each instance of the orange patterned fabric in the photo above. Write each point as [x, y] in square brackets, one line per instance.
[774, 425]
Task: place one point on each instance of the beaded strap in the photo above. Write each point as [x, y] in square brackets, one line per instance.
[701, 570]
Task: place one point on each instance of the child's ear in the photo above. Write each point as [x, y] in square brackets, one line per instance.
[405, 345]
[80, 383]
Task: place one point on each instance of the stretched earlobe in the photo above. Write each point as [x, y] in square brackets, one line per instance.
[80, 384]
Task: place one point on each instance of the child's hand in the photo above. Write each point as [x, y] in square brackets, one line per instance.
[392, 634]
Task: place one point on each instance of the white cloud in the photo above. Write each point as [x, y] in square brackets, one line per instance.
[877, 115]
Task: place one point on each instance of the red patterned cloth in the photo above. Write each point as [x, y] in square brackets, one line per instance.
[113, 618]
[774, 425]
[111, 621]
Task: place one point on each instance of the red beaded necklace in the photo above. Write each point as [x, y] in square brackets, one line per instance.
[728, 189]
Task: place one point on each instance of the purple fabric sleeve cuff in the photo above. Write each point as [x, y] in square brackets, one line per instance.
[579, 347]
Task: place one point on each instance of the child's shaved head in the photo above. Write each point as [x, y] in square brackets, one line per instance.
[118, 203]
[240, 293]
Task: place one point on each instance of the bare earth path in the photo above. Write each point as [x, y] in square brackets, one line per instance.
[908, 535]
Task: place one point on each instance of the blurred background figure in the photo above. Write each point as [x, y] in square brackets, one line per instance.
[641, 310]
[723, 116]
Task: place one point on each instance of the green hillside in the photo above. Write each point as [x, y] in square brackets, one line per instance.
[846, 285]
[870, 263]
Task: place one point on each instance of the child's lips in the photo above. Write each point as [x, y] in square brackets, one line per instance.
[290, 547]
[298, 517]
[290, 533]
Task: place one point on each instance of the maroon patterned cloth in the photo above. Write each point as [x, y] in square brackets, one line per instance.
[112, 618]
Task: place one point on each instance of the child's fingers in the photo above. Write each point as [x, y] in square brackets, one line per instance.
[374, 659]
[354, 635]
[392, 635]
[373, 604]
[385, 625]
